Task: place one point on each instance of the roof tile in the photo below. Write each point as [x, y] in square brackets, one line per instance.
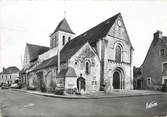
[36, 50]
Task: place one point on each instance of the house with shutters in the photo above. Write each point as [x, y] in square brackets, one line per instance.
[154, 67]
[101, 56]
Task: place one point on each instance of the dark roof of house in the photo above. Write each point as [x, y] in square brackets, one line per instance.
[93, 34]
[90, 36]
[35, 50]
[10, 70]
[69, 72]
[63, 26]
[163, 41]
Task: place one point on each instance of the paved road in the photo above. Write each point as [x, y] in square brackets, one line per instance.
[20, 104]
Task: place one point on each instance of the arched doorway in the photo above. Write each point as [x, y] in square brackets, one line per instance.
[81, 84]
[118, 79]
[41, 84]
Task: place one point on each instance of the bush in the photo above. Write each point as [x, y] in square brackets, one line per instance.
[31, 88]
[59, 91]
[71, 91]
[164, 88]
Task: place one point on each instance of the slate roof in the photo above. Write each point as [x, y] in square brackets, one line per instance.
[93, 34]
[163, 41]
[35, 50]
[69, 72]
[63, 26]
[90, 36]
[10, 70]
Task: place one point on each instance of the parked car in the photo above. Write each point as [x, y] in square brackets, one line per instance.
[16, 85]
[5, 86]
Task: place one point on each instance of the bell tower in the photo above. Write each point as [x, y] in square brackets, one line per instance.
[61, 35]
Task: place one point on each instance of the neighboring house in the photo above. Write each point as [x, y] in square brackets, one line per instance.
[9, 75]
[100, 56]
[154, 67]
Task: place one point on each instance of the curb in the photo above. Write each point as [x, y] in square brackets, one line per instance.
[85, 97]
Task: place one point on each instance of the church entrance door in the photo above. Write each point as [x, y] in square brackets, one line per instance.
[116, 80]
[81, 84]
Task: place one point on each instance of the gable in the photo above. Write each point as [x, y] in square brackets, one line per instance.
[118, 30]
[26, 57]
[86, 52]
[154, 50]
[35, 50]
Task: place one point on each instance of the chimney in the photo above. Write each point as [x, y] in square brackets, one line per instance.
[158, 34]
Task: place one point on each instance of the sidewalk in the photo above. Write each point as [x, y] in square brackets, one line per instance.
[100, 94]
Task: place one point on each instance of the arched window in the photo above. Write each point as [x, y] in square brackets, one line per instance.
[63, 40]
[118, 54]
[87, 68]
[53, 42]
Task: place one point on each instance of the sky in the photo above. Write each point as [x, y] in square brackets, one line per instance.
[32, 21]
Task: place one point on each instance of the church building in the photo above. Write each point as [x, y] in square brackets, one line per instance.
[100, 57]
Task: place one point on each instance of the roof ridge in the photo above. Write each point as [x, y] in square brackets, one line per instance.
[98, 25]
[36, 45]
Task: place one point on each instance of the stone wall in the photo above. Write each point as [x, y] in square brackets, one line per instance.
[110, 69]
[32, 81]
[78, 61]
[56, 38]
[49, 77]
[70, 82]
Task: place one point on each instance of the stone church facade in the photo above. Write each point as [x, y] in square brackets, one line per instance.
[100, 57]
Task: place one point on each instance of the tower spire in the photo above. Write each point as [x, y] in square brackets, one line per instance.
[64, 8]
[64, 14]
